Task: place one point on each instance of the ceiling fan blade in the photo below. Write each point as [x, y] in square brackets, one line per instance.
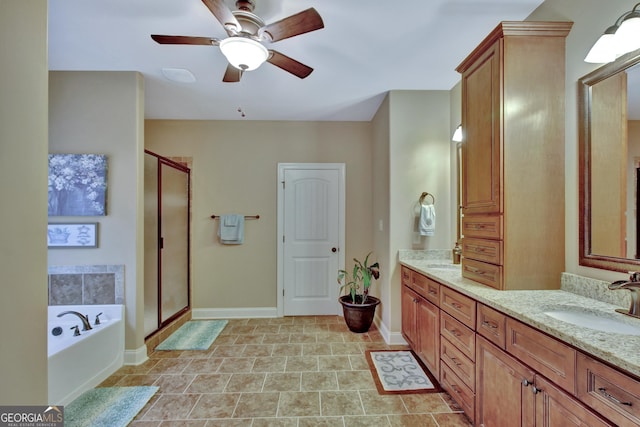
[232, 75]
[223, 14]
[288, 64]
[300, 23]
[163, 39]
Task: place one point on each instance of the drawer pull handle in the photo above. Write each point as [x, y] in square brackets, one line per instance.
[456, 305]
[456, 332]
[455, 361]
[415, 300]
[432, 292]
[489, 324]
[455, 388]
[613, 398]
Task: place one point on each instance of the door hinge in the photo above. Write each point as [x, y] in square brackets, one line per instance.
[282, 292]
[283, 238]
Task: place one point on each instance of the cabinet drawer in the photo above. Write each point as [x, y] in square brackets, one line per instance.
[487, 226]
[608, 391]
[459, 363]
[548, 356]
[488, 274]
[459, 306]
[405, 275]
[430, 289]
[458, 390]
[459, 335]
[482, 250]
[492, 325]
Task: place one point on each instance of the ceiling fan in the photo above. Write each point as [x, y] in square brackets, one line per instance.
[244, 48]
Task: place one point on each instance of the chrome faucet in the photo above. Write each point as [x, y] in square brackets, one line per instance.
[85, 319]
[633, 285]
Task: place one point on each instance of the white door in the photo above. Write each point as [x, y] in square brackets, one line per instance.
[312, 237]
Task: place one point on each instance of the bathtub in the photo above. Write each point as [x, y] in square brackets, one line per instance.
[79, 363]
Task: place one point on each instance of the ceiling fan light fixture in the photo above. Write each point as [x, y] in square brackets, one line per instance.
[244, 53]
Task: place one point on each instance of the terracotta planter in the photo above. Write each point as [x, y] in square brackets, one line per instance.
[358, 316]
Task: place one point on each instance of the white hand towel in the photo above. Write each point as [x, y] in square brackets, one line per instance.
[427, 226]
[231, 229]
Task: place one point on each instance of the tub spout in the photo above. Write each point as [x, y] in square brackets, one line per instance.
[85, 319]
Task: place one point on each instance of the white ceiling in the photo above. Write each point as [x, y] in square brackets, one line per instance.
[367, 48]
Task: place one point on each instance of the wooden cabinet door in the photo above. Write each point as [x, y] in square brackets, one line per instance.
[481, 166]
[428, 331]
[556, 408]
[409, 299]
[504, 396]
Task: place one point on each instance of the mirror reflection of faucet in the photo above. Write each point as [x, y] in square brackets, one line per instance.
[633, 285]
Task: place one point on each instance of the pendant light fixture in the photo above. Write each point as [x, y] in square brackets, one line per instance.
[620, 38]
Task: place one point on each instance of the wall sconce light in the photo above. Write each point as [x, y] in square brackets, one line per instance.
[620, 38]
[457, 135]
[244, 53]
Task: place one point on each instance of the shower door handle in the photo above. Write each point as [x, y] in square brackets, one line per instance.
[161, 243]
[334, 250]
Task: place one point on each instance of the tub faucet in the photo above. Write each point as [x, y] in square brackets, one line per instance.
[85, 319]
[633, 285]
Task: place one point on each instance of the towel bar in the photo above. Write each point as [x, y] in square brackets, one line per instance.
[424, 195]
[245, 217]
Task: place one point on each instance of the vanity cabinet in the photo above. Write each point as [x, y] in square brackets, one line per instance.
[503, 372]
[608, 391]
[458, 348]
[421, 319]
[513, 156]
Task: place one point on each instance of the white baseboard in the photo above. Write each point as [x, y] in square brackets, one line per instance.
[135, 357]
[391, 338]
[233, 313]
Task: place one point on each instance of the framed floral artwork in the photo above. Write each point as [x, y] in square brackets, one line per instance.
[72, 235]
[77, 184]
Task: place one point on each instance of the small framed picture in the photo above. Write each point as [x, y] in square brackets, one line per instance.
[72, 235]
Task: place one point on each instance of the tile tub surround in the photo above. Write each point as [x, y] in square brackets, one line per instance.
[293, 371]
[529, 307]
[86, 284]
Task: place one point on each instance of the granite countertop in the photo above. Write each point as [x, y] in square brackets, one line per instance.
[620, 350]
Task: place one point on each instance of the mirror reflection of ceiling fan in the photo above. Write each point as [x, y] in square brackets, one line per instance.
[244, 48]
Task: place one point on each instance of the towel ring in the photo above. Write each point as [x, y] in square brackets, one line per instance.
[424, 195]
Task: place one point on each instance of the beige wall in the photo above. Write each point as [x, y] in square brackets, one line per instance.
[381, 210]
[235, 171]
[23, 215]
[102, 113]
[419, 158]
[591, 18]
[412, 152]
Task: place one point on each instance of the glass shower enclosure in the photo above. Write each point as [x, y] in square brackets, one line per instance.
[166, 246]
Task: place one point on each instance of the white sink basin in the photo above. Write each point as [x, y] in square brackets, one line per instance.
[592, 321]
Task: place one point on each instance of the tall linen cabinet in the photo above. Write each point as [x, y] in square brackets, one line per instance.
[513, 98]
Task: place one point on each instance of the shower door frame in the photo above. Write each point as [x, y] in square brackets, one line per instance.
[164, 161]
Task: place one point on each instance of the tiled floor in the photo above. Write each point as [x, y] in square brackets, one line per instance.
[292, 371]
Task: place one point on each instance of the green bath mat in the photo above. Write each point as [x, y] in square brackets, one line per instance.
[107, 406]
[194, 335]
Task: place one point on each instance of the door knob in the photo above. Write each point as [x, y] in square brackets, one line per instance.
[334, 249]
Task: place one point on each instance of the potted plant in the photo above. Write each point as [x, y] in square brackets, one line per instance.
[357, 305]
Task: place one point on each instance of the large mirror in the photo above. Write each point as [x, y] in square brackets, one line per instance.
[609, 150]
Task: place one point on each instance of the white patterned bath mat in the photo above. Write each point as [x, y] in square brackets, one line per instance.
[194, 335]
[400, 371]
